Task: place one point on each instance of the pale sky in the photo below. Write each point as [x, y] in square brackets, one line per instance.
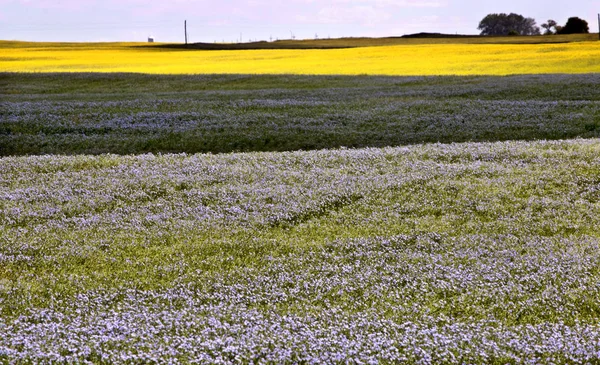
[230, 20]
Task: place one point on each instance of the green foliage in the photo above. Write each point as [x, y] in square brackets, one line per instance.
[548, 26]
[507, 24]
[575, 25]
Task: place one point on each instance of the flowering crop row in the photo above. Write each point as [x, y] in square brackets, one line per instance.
[455, 253]
[415, 59]
[212, 113]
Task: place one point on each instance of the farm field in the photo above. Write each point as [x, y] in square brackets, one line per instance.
[131, 113]
[428, 58]
[473, 252]
[278, 218]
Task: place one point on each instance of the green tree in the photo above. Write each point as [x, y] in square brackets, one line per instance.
[575, 25]
[548, 26]
[504, 24]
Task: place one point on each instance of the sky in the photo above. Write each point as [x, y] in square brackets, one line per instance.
[251, 20]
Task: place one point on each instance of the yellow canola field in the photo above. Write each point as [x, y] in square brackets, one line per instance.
[424, 59]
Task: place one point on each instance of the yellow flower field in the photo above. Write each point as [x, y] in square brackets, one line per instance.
[422, 59]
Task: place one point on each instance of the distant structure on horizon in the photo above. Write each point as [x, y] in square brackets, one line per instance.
[151, 39]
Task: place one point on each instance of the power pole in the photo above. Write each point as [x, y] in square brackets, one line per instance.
[185, 30]
[598, 26]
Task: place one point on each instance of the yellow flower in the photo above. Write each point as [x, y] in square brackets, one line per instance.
[410, 59]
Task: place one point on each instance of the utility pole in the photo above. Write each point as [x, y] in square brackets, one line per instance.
[598, 26]
[185, 30]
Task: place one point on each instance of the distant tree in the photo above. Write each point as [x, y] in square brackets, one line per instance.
[503, 24]
[548, 26]
[575, 25]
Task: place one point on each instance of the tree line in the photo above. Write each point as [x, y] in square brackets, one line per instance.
[516, 24]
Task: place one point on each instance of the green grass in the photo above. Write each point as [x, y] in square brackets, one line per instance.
[131, 113]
